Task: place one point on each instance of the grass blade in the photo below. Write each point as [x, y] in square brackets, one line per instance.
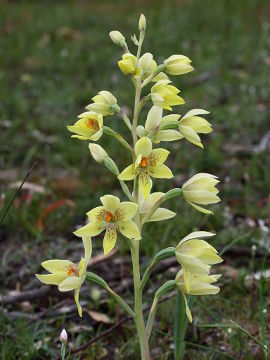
[6, 210]
[249, 335]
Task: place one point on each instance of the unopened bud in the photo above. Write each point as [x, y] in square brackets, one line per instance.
[116, 37]
[142, 23]
[63, 336]
[111, 165]
[98, 153]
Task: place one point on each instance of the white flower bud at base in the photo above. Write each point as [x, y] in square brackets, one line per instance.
[63, 336]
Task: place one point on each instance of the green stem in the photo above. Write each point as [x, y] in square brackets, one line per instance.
[126, 190]
[117, 136]
[157, 70]
[139, 320]
[163, 254]
[164, 289]
[99, 281]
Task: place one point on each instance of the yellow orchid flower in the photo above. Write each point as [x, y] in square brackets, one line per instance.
[195, 255]
[199, 285]
[191, 125]
[165, 95]
[88, 127]
[113, 215]
[200, 189]
[67, 275]
[153, 124]
[104, 103]
[148, 163]
[178, 65]
[146, 204]
[146, 63]
[128, 65]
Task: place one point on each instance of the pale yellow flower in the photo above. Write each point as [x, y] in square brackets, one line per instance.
[154, 122]
[199, 285]
[104, 103]
[149, 163]
[128, 65]
[201, 189]
[112, 216]
[67, 275]
[178, 65]
[145, 205]
[191, 125]
[88, 127]
[165, 95]
[196, 255]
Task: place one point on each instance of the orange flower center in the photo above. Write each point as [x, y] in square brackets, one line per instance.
[144, 162]
[108, 216]
[92, 123]
[72, 270]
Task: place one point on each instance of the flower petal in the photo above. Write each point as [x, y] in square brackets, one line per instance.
[128, 173]
[159, 155]
[201, 209]
[203, 197]
[87, 243]
[109, 239]
[110, 202]
[129, 209]
[91, 229]
[161, 214]
[145, 184]
[190, 135]
[195, 112]
[56, 266]
[161, 171]
[168, 135]
[153, 118]
[129, 229]
[52, 279]
[143, 147]
[71, 283]
[188, 312]
[94, 215]
[77, 301]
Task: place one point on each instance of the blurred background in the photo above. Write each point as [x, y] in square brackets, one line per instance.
[54, 57]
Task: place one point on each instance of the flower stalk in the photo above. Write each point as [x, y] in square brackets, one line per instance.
[113, 216]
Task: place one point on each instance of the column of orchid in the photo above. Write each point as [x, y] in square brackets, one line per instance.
[113, 216]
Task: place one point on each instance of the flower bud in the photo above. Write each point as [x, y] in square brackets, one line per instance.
[146, 61]
[178, 65]
[98, 153]
[201, 190]
[104, 103]
[63, 336]
[117, 37]
[142, 23]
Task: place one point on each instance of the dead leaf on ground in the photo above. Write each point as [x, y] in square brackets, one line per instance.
[99, 317]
